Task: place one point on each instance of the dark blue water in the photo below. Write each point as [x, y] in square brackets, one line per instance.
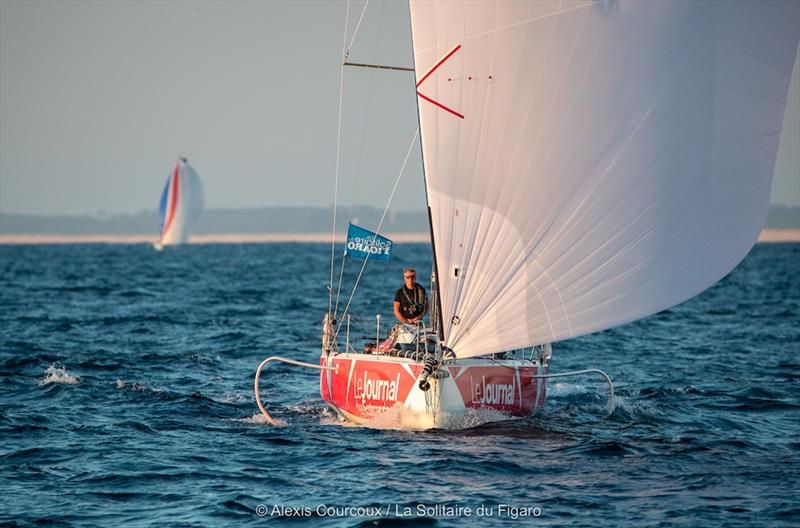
[126, 399]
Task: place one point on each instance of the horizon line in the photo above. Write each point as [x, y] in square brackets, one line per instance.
[109, 214]
[767, 235]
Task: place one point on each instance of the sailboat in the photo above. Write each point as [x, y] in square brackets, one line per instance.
[180, 205]
[586, 164]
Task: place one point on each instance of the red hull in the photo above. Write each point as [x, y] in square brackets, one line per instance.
[365, 386]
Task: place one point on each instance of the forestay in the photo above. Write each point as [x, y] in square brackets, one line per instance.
[181, 203]
[591, 163]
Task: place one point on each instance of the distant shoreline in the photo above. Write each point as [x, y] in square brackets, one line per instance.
[766, 236]
[221, 238]
[770, 235]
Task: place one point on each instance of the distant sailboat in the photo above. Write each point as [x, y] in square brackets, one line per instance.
[181, 204]
[587, 164]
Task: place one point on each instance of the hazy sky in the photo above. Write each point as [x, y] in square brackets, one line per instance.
[97, 99]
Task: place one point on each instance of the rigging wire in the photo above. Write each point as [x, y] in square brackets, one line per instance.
[378, 229]
[361, 150]
[358, 25]
[338, 156]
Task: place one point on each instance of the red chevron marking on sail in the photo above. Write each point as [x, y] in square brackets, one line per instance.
[430, 72]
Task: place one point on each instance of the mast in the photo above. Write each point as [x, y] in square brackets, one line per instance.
[437, 293]
[436, 281]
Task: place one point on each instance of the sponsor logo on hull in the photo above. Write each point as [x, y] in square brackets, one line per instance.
[507, 389]
[374, 390]
[492, 393]
[364, 388]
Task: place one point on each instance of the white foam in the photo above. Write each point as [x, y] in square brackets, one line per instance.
[472, 418]
[259, 418]
[636, 407]
[123, 385]
[401, 418]
[565, 389]
[233, 397]
[335, 420]
[304, 409]
[56, 373]
[330, 417]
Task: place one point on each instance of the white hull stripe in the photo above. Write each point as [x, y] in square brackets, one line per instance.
[349, 378]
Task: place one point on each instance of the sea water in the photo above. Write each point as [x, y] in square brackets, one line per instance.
[126, 399]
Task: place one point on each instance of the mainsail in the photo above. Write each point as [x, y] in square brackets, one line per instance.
[181, 203]
[591, 163]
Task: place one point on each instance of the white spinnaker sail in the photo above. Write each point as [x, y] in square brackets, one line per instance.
[181, 203]
[591, 163]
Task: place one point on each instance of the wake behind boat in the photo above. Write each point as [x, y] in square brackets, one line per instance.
[586, 165]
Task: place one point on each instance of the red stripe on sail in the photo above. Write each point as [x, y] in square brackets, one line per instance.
[436, 67]
[173, 199]
[440, 105]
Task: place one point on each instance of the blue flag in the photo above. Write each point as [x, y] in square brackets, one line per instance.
[361, 243]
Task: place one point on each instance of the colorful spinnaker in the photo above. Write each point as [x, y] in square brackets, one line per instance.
[181, 204]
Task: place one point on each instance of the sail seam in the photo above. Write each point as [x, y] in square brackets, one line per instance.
[550, 151]
[524, 126]
[517, 263]
[518, 196]
[508, 108]
[560, 300]
[502, 28]
[466, 302]
[558, 90]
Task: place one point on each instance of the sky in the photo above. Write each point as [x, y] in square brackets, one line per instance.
[98, 99]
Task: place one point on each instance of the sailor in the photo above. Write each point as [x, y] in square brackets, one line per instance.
[410, 301]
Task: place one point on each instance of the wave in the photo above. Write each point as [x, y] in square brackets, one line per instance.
[56, 373]
[298, 410]
[260, 419]
[400, 418]
[563, 389]
[136, 387]
[162, 402]
[236, 397]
